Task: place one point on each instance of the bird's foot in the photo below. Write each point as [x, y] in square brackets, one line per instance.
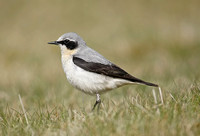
[98, 102]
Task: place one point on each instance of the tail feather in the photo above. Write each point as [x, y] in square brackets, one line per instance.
[136, 80]
[149, 84]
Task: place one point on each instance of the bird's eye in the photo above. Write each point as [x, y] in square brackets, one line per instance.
[69, 44]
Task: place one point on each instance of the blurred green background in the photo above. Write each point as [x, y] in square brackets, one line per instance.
[156, 40]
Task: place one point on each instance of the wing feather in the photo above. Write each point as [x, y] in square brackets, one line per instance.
[110, 70]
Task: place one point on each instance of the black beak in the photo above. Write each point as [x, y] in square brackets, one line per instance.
[54, 42]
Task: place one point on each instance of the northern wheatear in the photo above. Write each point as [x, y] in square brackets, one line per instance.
[89, 71]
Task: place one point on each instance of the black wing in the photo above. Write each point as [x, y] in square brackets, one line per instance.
[108, 70]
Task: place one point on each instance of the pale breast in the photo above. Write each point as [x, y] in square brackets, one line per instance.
[88, 82]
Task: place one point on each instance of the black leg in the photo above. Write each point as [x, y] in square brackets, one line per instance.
[98, 102]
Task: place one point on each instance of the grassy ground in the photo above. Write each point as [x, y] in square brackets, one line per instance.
[157, 41]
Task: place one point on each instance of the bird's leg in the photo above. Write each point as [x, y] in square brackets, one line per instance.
[98, 101]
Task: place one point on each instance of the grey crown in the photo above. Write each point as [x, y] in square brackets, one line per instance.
[85, 52]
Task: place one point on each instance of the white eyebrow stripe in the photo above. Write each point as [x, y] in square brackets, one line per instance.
[69, 39]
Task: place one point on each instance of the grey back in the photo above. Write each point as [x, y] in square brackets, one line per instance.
[90, 55]
[84, 52]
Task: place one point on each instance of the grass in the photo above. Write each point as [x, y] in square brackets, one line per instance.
[131, 115]
[153, 40]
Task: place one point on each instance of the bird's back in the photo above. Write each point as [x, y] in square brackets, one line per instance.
[90, 55]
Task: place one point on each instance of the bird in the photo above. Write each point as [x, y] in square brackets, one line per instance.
[89, 71]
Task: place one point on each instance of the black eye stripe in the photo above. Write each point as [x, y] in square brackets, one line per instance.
[64, 42]
[69, 44]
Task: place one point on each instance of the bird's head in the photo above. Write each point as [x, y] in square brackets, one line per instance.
[69, 43]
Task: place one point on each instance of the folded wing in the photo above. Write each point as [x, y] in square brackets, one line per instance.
[110, 70]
